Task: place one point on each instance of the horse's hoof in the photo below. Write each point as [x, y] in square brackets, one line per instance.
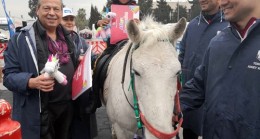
[114, 136]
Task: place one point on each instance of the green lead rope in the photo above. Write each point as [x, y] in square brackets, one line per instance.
[136, 108]
[180, 77]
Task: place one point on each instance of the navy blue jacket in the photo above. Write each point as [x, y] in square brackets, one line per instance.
[227, 83]
[80, 43]
[196, 40]
[82, 46]
[192, 48]
[19, 68]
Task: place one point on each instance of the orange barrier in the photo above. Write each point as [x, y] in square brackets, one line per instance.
[98, 45]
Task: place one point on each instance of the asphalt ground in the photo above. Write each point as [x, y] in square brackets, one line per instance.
[103, 124]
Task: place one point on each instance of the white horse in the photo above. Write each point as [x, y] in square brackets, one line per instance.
[154, 64]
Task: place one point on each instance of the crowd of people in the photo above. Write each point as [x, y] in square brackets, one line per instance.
[225, 82]
[219, 58]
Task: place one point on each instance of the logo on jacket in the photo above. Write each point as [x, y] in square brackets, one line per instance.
[255, 65]
[258, 55]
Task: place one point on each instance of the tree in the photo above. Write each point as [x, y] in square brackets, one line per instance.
[94, 16]
[146, 7]
[81, 20]
[180, 11]
[162, 12]
[33, 7]
[195, 9]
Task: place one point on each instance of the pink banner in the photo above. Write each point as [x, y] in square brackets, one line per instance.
[124, 13]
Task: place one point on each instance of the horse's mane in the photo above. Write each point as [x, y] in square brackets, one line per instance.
[149, 22]
[155, 28]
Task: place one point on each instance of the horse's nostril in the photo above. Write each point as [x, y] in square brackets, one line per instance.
[137, 73]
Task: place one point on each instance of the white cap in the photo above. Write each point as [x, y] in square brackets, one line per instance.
[67, 12]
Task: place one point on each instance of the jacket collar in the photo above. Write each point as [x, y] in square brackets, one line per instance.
[217, 18]
[42, 30]
[249, 29]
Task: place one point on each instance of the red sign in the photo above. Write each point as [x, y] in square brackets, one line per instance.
[82, 79]
[124, 13]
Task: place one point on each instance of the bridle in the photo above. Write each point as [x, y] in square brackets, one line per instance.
[140, 117]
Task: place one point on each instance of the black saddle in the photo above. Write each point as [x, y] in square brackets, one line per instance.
[100, 72]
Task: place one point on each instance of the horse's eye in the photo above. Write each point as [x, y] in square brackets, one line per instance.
[137, 73]
[178, 73]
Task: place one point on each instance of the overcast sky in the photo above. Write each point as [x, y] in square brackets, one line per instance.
[20, 7]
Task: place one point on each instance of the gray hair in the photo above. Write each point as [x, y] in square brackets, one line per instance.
[40, 1]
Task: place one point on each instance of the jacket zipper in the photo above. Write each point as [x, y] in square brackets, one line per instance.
[36, 66]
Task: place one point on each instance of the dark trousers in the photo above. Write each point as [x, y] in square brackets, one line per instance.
[189, 134]
[84, 127]
[84, 124]
[56, 120]
[81, 127]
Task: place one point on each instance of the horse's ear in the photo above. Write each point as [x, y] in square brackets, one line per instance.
[178, 29]
[133, 31]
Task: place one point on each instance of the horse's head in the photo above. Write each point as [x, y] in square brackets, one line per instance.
[155, 65]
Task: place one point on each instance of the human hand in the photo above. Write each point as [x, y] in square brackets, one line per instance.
[42, 82]
[137, 21]
[102, 22]
[81, 57]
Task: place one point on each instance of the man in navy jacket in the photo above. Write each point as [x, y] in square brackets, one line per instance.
[192, 48]
[227, 81]
[41, 104]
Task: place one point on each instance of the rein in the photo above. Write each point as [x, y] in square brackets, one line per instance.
[123, 74]
[177, 118]
[141, 120]
[135, 107]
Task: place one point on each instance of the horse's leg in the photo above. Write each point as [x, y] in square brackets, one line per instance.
[113, 132]
[122, 134]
